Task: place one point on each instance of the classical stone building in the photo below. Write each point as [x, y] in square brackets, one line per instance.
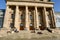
[29, 14]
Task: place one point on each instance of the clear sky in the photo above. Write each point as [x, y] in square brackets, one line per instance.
[56, 5]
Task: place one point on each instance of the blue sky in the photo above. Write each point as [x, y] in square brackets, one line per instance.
[56, 5]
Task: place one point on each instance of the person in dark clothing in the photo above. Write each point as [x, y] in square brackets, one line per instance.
[49, 30]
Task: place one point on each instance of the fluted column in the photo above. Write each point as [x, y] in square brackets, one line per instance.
[6, 18]
[26, 19]
[17, 25]
[53, 18]
[36, 18]
[45, 18]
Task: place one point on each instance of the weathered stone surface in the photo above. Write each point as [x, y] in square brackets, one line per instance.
[21, 14]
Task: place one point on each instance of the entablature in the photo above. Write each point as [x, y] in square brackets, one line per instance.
[32, 0]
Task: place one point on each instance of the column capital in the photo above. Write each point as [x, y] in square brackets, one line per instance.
[7, 8]
[16, 7]
[36, 9]
[26, 8]
[45, 8]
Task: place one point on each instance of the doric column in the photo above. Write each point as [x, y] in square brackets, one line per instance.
[6, 18]
[26, 19]
[45, 18]
[17, 26]
[36, 18]
[53, 18]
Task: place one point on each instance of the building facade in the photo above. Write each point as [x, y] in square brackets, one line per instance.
[29, 14]
[2, 11]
